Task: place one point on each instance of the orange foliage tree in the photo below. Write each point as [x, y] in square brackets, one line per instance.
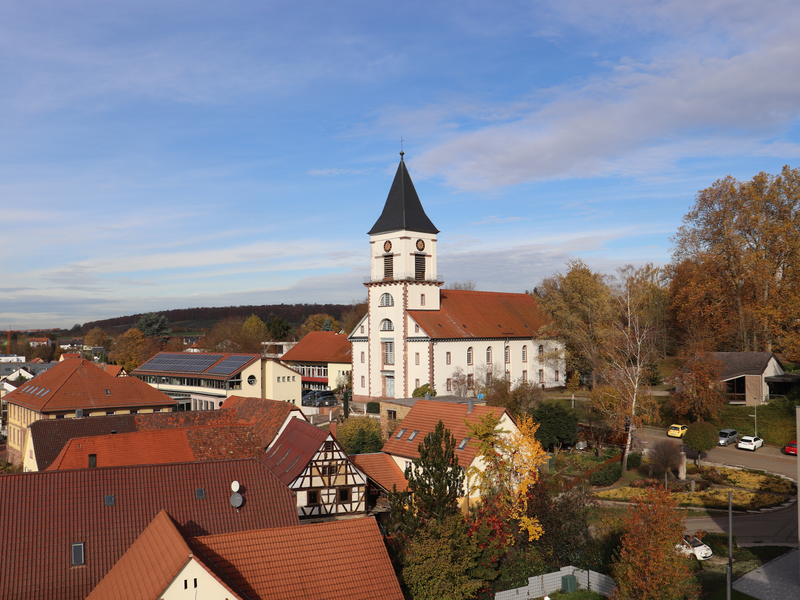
[738, 251]
[702, 394]
[648, 567]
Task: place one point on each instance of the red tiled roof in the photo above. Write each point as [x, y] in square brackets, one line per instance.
[382, 469]
[339, 560]
[153, 561]
[75, 383]
[254, 425]
[469, 314]
[294, 449]
[44, 513]
[266, 416]
[321, 346]
[113, 370]
[161, 446]
[137, 448]
[423, 418]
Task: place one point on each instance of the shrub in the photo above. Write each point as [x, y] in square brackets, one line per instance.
[374, 408]
[422, 390]
[634, 460]
[718, 542]
[606, 476]
[712, 475]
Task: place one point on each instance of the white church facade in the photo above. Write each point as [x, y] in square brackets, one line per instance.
[415, 332]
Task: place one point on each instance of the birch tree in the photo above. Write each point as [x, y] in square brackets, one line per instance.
[627, 351]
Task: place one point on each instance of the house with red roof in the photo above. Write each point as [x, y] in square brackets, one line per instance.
[203, 381]
[75, 388]
[313, 465]
[403, 445]
[416, 333]
[244, 427]
[349, 561]
[63, 531]
[323, 359]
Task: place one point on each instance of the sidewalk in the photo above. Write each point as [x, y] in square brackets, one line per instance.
[779, 579]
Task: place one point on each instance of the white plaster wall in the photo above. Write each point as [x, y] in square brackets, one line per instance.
[183, 586]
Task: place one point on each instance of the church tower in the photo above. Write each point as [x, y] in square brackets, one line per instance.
[403, 277]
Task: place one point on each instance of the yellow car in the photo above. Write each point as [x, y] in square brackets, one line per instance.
[677, 431]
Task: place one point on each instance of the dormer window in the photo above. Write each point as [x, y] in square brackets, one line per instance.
[78, 555]
[387, 300]
[387, 325]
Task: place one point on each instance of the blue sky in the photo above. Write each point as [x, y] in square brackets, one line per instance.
[160, 155]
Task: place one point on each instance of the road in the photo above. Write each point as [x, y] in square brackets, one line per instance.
[777, 527]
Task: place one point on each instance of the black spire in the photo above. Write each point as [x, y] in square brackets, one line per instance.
[403, 210]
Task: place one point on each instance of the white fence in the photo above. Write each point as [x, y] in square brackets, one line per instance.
[541, 585]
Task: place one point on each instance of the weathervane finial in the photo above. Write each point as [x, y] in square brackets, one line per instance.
[401, 148]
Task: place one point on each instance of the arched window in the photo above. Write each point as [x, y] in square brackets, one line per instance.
[387, 325]
[489, 355]
[469, 355]
[508, 355]
[524, 354]
[387, 300]
[541, 352]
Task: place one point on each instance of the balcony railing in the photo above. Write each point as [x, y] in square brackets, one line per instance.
[427, 279]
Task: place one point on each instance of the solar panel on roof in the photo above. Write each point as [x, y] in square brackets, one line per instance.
[180, 363]
[230, 365]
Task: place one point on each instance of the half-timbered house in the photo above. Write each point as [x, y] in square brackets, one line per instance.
[311, 463]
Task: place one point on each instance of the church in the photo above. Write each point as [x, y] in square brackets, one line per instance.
[416, 333]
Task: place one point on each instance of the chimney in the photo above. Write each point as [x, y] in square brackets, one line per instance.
[471, 404]
[333, 428]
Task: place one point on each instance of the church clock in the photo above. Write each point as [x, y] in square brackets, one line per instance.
[420, 245]
[387, 246]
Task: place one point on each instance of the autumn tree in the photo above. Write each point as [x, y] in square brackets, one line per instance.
[701, 394]
[648, 568]
[360, 435]
[518, 397]
[460, 383]
[127, 348]
[252, 335]
[701, 437]
[438, 561]
[509, 467]
[741, 240]
[664, 456]
[316, 323]
[353, 315]
[98, 338]
[580, 305]
[564, 518]
[627, 350]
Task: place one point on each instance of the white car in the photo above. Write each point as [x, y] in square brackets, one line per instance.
[750, 442]
[693, 547]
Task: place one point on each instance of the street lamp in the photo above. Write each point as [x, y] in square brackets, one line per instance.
[755, 401]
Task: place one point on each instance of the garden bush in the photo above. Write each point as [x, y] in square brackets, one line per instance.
[606, 476]
[718, 542]
[373, 408]
[634, 460]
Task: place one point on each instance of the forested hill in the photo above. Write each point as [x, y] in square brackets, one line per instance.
[195, 319]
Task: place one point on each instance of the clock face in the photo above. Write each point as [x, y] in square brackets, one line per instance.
[387, 246]
[420, 245]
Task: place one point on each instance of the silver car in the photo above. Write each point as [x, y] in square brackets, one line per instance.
[728, 436]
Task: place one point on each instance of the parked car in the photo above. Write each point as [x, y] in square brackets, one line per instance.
[791, 448]
[728, 436]
[310, 397]
[327, 400]
[750, 442]
[677, 431]
[692, 546]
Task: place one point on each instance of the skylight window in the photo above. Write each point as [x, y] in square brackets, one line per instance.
[400, 434]
[78, 557]
[413, 435]
[463, 444]
[108, 392]
[200, 493]
[109, 500]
